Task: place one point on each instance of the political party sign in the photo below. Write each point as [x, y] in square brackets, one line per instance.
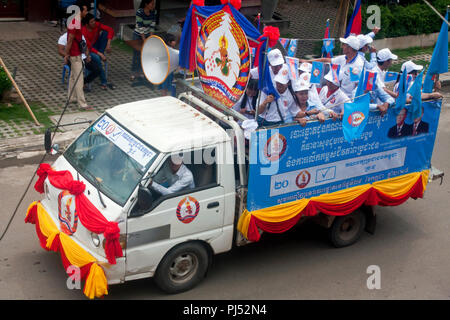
[223, 58]
[293, 162]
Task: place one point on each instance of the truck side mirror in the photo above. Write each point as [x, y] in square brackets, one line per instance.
[48, 140]
[145, 198]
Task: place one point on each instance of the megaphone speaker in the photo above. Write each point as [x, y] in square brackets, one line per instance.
[158, 60]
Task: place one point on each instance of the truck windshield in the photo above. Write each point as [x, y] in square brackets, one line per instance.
[112, 156]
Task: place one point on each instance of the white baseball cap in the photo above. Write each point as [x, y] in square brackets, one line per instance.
[410, 66]
[385, 54]
[283, 75]
[305, 67]
[363, 40]
[305, 78]
[275, 57]
[352, 41]
[300, 85]
[329, 77]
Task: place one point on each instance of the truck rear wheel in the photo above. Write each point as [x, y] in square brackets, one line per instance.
[182, 268]
[346, 230]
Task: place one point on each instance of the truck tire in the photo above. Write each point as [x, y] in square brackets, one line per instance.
[346, 230]
[182, 268]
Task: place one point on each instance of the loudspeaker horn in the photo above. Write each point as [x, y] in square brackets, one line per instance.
[158, 60]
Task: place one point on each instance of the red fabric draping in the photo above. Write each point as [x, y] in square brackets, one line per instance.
[371, 197]
[90, 217]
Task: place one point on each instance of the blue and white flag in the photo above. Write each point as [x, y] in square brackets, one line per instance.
[327, 48]
[355, 117]
[292, 48]
[316, 72]
[391, 76]
[355, 73]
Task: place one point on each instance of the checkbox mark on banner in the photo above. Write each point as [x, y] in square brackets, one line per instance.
[325, 174]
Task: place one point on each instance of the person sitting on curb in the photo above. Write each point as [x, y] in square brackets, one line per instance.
[98, 39]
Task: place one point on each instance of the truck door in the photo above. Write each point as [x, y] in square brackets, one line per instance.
[192, 213]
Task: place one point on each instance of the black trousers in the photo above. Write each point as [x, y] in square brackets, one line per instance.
[93, 71]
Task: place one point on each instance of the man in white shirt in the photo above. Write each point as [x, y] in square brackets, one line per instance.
[350, 62]
[364, 41]
[278, 111]
[384, 61]
[178, 178]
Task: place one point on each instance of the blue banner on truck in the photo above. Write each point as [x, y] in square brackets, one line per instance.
[293, 162]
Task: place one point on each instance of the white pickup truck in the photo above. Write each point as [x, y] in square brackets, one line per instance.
[171, 235]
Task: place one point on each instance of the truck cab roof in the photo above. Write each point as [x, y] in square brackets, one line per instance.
[168, 124]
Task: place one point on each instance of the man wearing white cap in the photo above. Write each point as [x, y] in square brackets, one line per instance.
[276, 62]
[278, 111]
[350, 61]
[412, 70]
[332, 97]
[384, 61]
[364, 41]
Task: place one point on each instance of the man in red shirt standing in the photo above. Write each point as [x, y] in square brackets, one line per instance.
[73, 54]
[98, 38]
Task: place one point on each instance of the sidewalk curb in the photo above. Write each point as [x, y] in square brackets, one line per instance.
[30, 146]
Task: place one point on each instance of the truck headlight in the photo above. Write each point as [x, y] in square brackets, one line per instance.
[95, 239]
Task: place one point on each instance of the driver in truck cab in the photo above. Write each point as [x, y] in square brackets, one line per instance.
[173, 177]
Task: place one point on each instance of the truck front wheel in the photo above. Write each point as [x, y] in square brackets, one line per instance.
[182, 268]
[347, 229]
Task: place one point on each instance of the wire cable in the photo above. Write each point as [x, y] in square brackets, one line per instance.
[43, 158]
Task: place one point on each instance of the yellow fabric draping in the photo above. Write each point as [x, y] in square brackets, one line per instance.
[96, 283]
[393, 187]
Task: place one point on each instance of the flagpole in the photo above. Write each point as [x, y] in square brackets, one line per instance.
[437, 12]
[263, 74]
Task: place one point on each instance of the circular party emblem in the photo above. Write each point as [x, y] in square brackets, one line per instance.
[223, 58]
[188, 209]
[303, 179]
[316, 72]
[356, 118]
[67, 213]
[275, 147]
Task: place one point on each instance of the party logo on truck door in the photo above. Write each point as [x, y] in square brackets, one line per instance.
[188, 209]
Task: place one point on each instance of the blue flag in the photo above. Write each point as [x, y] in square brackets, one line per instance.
[360, 89]
[355, 73]
[439, 59]
[355, 117]
[391, 76]
[415, 109]
[400, 102]
[292, 49]
[327, 48]
[265, 83]
[316, 72]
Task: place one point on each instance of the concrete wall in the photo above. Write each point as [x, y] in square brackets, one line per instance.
[423, 40]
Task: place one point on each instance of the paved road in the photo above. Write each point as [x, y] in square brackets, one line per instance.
[411, 247]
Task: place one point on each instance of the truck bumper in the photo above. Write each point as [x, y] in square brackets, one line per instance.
[72, 254]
